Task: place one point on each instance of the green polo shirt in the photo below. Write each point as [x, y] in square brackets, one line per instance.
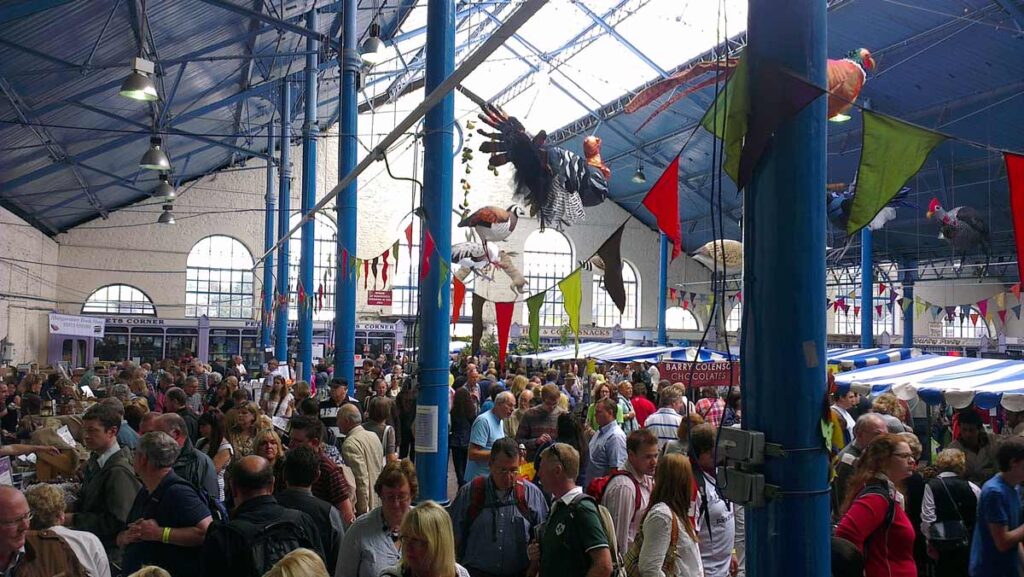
[571, 532]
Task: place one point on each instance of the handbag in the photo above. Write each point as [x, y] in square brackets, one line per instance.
[631, 559]
[949, 535]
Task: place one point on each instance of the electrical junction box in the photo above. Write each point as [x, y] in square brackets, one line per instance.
[740, 446]
[741, 487]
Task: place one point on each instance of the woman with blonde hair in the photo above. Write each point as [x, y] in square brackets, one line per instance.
[267, 444]
[299, 563]
[666, 544]
[949, 498]
[47, 504]
[519, 383]
[428, 545]
[241, 425]
[279, 401]
[151, 571]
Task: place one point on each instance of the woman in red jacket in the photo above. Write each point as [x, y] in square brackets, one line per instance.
[872, 516]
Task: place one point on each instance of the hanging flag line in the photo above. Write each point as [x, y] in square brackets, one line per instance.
[921, 306]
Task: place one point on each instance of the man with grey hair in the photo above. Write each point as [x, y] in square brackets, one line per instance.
[121, 392]
[126, 436]
[487, 429]
[664, 423]
[364, 453]
[169, 518]
[867, 427]
[191, 464]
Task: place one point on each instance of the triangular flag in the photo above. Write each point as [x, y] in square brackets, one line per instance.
[974, 319]
[892, 152]
[428, 249]
[533, 305]
[366, 273]
[856, 311]
[950, 312]
[458, 295]
[1015, 178]
[728, 116]
[478, 322]
[739, 296]
[1002, 316]
[672, 294]
[1015, 289]
[888, 307]
[373, 267]
[878, 310]
[394, 253]
[384, 273]
[780, 96]
[572, 298]
[613, 284]
[686, 304]
[1016, 311]
[359, 268]
[442, 280]
[828, 303]
[1001, 300]
[937, 310]
[408, 238]
[663, 202]
[344, 263]
[881, 288]
[965, 310]
[983, 307]
[503, 314]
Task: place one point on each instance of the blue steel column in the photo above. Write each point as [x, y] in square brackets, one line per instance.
[784, 269]
[438, 166]
[867, 290]
[310, 132]
[345, 286]
[909, 277]
[268, 241]
[662, 289]
[284, 207]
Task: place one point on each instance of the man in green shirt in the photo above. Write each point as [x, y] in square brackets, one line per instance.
[573, 541]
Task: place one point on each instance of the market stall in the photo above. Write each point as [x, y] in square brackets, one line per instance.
[848, 359]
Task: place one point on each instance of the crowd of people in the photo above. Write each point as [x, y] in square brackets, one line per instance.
[563, 471]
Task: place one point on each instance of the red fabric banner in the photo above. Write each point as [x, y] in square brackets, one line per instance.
[344, 263]
[503, 312]
[663, 202]
[458, 295]
[428, 249]
[384, 273]
[1015, 176]
[408, 238]
[983, 307]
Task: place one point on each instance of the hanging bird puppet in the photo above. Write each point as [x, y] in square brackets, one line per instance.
[553, 182]
[846, 78]
[728, 253]
[964, 228]
[492, 223]
[839, 202]
[475, 257]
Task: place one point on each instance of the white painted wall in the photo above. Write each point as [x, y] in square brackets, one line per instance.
[27, 289]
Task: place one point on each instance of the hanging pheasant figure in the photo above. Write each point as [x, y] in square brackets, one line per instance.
[846, 78]
[492, 223]
[553, 182]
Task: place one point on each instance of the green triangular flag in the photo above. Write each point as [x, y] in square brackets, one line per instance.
[572, 298]
[442, 279]
[394, 254]
[893, 151]
[727, 117]
[533, 304]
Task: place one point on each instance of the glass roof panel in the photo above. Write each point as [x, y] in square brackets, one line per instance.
[691, 24]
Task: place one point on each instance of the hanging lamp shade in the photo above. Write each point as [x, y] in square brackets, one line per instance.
[166, 217]
[155, 158]
[139, 84]
[639, 177]
[164, 190]
[372, 49]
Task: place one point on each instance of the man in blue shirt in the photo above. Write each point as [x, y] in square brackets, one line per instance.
[487, 429]
[998, 532]
[608, 447]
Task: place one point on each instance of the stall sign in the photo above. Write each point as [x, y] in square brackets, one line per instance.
[77, 326]
[585, 332]
[710, 374]
[378, 298]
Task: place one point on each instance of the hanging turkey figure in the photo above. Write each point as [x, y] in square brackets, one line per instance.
[553, 182]
[492, 223]
[965, 230]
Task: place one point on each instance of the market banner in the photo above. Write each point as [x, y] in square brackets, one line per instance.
[378, 298]
[711, 374]
[77, 326]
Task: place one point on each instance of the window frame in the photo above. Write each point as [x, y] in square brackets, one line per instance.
[201, 299]
[116, 306]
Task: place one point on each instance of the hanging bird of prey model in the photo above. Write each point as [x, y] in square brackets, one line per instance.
[492, 223]
[553, 182]
[728, 253]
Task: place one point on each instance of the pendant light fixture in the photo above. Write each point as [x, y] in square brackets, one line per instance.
[164, 190]
[639, 177]
[155, 158]
[372, 49]
[139, 84]
[166, 217]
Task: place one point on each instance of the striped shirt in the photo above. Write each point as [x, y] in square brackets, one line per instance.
[664, 423]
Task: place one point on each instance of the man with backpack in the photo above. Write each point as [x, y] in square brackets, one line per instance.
[493, 516]
[575, 539]
[627, 491]
[260, 532]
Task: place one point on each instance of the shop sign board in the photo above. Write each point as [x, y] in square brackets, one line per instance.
[77, 326]
[378, 298]
[710, 374]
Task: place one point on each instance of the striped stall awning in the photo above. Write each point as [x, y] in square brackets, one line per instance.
[847, 359]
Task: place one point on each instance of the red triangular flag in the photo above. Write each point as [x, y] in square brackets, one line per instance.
[408, 238]
[878, 310]
[428, 249]
[1015, 289]
[739, 296]
[686, 304]
[344, 263]
[1002, 316]
[384, 273]
[974, 319]
[672, 294]
[1015, 177]
[458, 295]
[663, 202]
[881, 288]
[366, 272]
[503, 314]
[983, 307]
[856, 311]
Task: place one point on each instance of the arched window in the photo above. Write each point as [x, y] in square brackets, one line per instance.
[407, 275]
[547, 259]
[606, 314]
[119, 299]
[967, 325]
[680, 319]
[218, 279]
[734, 321]
[325, 245]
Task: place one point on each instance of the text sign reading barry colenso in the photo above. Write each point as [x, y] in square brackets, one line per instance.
[712, 374]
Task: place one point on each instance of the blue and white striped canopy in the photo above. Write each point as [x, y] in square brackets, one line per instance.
[620, 353]
[848, 359]
[960, 380]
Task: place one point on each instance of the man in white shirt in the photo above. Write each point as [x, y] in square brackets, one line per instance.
[842, 403]
[629, 491]
[236, 362]
[665, 421]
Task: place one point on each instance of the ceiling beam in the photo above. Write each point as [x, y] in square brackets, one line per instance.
[275, 22]
[622, 40]
[15, 9]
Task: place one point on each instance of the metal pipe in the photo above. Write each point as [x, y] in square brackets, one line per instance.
[268, 241]
[310, 133]
[348, 151]
[867, 290]
[435, 301]
[784, 354]
[283, 208]
[662, 289]
[909, 278]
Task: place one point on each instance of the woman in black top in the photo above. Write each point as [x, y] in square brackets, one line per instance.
[950, 498]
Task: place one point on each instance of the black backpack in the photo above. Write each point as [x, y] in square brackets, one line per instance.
[269, 543]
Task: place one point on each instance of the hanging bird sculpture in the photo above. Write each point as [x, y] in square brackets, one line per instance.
[553, 182]
[728, 253]
[492, 223]
[846, 78]
[474, 256]
[839, 202]
[964, 228]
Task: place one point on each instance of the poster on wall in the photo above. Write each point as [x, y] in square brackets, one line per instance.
[713, 374]
[76, 326]
[378, 298]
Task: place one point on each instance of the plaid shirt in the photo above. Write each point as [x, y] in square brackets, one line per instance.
[712, 410]
[331, 485]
